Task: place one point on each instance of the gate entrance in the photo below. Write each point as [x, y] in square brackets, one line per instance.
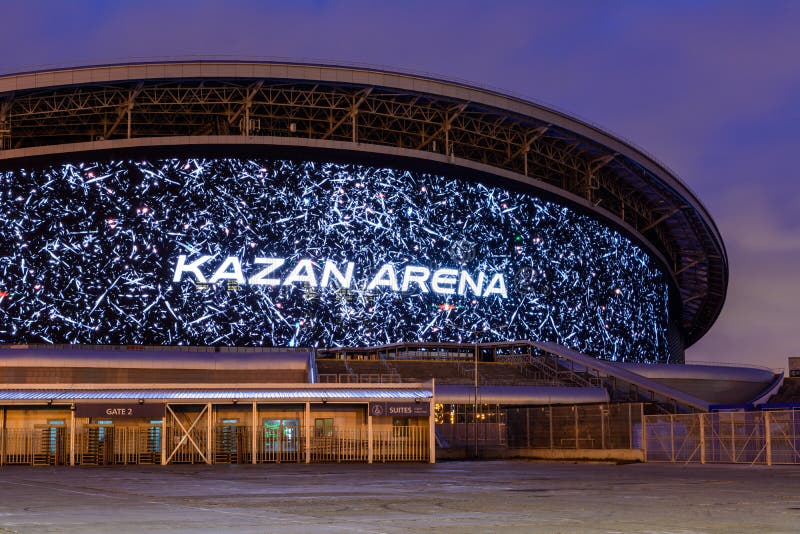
[280, 441]
[232, 442]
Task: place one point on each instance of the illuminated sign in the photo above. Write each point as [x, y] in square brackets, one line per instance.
[441, 281]
[270, 252]
[120, 410]
[399, 409]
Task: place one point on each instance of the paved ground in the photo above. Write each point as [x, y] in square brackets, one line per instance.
[507, 496]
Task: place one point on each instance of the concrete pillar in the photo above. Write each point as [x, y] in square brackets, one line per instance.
[309, 429]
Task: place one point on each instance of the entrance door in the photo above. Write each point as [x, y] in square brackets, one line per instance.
[281, 440]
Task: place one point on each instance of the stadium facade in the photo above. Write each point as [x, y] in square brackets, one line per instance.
[119, 180]
[239, 205]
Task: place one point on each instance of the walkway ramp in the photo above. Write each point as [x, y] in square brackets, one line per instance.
[621, 380]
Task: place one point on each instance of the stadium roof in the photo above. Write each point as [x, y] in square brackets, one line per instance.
[380, 114]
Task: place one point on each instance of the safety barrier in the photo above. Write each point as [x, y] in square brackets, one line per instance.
[98, 444]
[768, 437]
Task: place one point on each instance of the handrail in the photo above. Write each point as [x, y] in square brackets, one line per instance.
[644, 385]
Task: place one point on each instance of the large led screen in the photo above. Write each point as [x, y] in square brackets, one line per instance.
[301, 253]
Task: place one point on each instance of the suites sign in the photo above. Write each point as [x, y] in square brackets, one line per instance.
[400, 409]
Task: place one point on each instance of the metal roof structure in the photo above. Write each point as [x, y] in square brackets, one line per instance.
[359, 113]
[301, 393]
[521, 395]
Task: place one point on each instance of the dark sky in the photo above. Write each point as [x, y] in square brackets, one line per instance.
[712, 89]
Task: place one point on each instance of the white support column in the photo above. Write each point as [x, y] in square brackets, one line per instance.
[209, 431]
[164, 437]
[602, 426]
[630, 427]
[254, 435]
[72, 435]
[432, 425]
[3, 439]
[575, 410]
[644, 431]
[702, 419]
[672, 437]
[768, 437]
[370, 446]
[307, 424]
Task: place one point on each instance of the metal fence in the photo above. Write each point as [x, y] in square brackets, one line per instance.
[489, 435]
[117, 445]
[598, 426]
[769, 437]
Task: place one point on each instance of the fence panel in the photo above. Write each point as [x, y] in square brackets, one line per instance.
[724, 437]
[401, 444]
[784, 429]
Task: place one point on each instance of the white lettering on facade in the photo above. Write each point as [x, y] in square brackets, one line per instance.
[445, 281]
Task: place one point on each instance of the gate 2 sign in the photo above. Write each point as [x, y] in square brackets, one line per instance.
[399, 409]
[120, 410]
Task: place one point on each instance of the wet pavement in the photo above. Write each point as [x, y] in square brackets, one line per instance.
[499, 496]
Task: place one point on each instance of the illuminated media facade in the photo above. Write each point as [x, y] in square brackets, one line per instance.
[304, 253]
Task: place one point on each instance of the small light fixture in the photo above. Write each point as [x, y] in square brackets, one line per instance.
[141, 401]
[324, 401]
[292, 127]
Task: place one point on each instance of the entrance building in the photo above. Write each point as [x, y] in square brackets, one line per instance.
[55, 411]
[71, 426]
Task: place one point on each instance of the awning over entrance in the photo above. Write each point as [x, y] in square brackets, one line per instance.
[306, 392]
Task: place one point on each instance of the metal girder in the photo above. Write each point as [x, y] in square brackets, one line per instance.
[694, 297]
[661, 219]
[451, 115]
[124, 110]
[526, 146]
[358, 99]
[5, 106]
[601, 162]
[246, 105]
